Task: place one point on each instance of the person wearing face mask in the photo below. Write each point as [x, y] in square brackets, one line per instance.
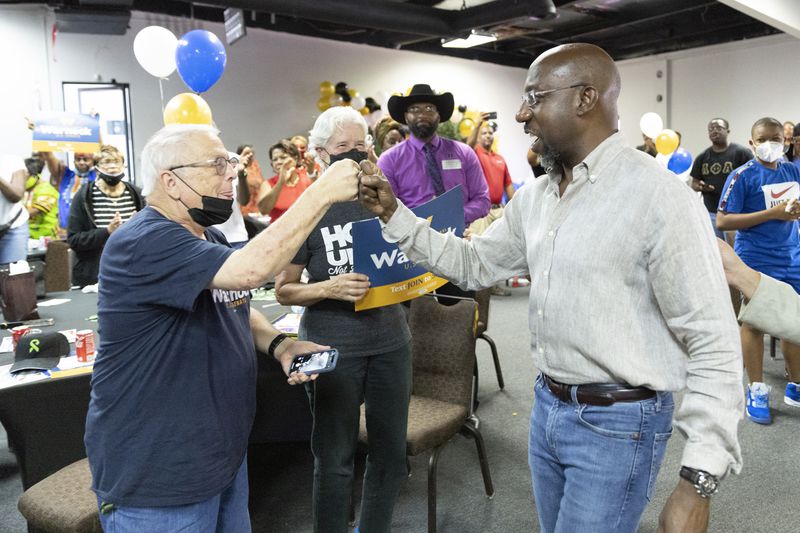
[278, 193]
[760, 203]
[174, 383]
[98, 210]
[41, 201]
[375, 355]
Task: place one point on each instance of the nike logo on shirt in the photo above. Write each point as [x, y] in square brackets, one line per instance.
[781, 193]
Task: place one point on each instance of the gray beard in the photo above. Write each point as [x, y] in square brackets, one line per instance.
[550, 159]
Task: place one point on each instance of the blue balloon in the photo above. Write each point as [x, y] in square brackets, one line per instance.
[680, 161]
[201, 59]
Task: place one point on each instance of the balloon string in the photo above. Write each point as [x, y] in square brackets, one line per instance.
[161, 89]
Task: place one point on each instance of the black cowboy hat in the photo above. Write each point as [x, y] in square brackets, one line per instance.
[421, 93]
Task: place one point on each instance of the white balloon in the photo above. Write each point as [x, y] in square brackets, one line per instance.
[651, 124]
[154, 48]
[357, 102]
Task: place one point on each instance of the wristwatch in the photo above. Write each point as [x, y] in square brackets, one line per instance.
[704, 483]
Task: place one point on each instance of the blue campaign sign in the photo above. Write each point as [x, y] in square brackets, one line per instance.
[66, 132]
[393, 278]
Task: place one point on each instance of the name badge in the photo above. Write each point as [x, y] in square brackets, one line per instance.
[451, 164]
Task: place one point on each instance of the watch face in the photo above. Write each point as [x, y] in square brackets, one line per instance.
[707, 483]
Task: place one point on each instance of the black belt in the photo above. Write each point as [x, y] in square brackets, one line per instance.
[598, 393]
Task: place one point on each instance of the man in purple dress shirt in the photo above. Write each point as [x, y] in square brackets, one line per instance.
[426, 165]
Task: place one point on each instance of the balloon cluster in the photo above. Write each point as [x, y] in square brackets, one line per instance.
[667, 142]
[200, 58]
[341, 95]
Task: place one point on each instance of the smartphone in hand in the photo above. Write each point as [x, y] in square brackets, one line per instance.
[492, 115]
[315, 362]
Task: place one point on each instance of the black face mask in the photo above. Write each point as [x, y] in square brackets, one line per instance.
[215, 210]
[109, 179]
[354, 155]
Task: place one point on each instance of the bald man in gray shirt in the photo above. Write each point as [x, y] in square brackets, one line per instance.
[628, 304]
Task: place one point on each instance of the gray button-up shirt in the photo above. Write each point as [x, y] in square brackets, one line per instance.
[627, 287]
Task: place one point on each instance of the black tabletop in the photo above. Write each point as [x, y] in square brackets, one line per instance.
[74, 314]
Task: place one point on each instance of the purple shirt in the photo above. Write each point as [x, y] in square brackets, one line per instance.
[404, 166]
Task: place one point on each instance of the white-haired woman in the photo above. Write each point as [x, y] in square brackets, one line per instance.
[375, 355]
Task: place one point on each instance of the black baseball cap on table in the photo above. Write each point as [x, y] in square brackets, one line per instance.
[39, 351]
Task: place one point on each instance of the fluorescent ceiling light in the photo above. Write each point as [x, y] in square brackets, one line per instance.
[475, 38]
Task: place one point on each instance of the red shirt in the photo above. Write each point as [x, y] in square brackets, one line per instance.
[289, 193]
[495, 171]
[254, 181]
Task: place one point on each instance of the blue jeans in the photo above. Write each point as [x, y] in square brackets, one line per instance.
[224, 513]
[14, 244]
[594, 468]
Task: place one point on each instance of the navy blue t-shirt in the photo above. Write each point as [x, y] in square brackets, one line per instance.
[174, 383]
[774, 245]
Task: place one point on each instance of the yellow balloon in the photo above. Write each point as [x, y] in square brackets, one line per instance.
[326, 89]
[472, 115]
[187, 108]
[364, 111]
[323, 103]
[352, 92]
[465, 127]
[667, 142]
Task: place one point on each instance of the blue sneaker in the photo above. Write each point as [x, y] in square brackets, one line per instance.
[792, 396]
[758, 403]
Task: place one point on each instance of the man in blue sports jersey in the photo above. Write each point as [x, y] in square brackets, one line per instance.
[759, 201]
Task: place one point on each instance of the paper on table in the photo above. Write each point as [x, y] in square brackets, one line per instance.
[70, 334]
[29, 376]
[53, 301]
[288, 323]
[69, 362]
[7, 344]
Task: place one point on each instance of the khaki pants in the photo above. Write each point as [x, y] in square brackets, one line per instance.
[479, 226]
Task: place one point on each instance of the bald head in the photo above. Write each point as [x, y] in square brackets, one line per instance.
[583, 63]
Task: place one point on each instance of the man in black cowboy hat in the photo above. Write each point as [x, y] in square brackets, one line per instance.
[426, 165]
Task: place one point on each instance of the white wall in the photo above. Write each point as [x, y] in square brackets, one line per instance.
[270, 86]
[741, 82]
[269, 89]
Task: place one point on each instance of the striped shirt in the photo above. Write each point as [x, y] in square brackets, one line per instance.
[104, 207]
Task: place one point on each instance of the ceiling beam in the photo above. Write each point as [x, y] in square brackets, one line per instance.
[781, 14]
[398, 16]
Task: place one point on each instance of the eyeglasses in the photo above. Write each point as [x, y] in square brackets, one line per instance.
[531, 98]
[220, 164]
[428, 109]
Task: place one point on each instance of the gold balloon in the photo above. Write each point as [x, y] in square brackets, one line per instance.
[187, 108]
[352, 92]
[364, 111]
[667, 142]
[326, 89]
[465, 127]
[323, 104]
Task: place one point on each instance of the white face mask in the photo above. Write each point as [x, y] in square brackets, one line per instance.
[769, 151]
